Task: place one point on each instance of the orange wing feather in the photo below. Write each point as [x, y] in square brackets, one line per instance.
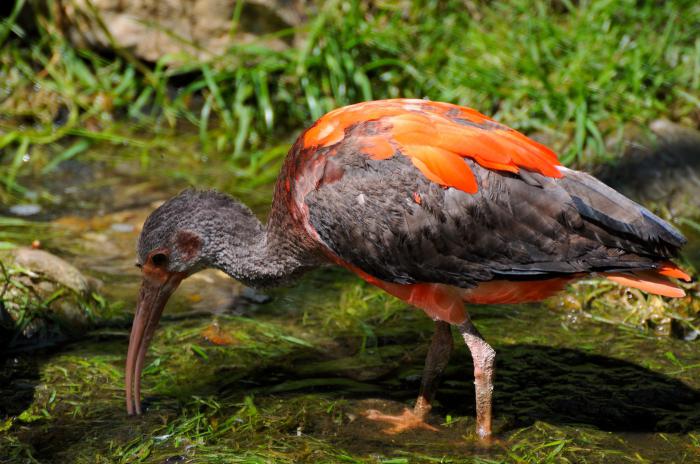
[437, 136]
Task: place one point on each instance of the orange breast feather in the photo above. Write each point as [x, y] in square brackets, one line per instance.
[436, 137]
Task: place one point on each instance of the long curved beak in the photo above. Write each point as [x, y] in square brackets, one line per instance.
[153, 295]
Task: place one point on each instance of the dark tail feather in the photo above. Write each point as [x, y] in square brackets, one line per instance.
[611, 210]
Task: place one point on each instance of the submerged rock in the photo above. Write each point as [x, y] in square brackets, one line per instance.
[25, 209]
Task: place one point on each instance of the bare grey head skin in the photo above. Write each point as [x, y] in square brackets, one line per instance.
[193, 231]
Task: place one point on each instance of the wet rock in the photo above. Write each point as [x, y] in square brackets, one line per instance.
[152, 29]
[210, 291]
[54, 269]
[44, 298]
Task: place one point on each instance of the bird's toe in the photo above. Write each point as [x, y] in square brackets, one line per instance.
[407, 420]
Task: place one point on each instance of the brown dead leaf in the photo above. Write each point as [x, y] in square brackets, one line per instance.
[217, 336]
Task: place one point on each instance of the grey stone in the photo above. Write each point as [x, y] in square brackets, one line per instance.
[53, 268]
[152, 29]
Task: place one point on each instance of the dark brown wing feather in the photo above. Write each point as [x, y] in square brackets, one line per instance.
[389, 220]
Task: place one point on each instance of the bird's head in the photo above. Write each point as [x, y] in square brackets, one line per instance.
[186, 234]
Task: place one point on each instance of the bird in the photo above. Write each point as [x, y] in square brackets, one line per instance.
[434, 203]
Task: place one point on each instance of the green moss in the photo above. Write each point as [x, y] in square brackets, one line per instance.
[610, 303]
[287, 389]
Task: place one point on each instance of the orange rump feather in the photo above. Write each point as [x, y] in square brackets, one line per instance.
[654, 281]
[669, 269]
[648, 281]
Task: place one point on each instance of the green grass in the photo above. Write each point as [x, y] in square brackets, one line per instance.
[577, 73]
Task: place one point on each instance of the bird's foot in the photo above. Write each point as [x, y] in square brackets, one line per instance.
[408, 420]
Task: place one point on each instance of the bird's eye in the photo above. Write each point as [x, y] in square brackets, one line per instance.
[159, 259]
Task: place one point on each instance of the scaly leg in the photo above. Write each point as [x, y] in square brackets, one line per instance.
[435, 363]
[484, 358]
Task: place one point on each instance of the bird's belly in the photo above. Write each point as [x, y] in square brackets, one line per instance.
[446, 302]
[509, 292]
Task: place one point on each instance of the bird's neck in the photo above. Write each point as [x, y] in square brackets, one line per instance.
[258, 257]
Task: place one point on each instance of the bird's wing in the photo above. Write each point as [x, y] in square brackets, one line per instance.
[391, 222]
[436, 137]
[395, 216]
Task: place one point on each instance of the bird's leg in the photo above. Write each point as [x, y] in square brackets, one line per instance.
[435, 363]
[484, 358]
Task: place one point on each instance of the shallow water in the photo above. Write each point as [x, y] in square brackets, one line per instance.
[233, 378]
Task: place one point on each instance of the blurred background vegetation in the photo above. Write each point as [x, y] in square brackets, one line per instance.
[574, 74]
